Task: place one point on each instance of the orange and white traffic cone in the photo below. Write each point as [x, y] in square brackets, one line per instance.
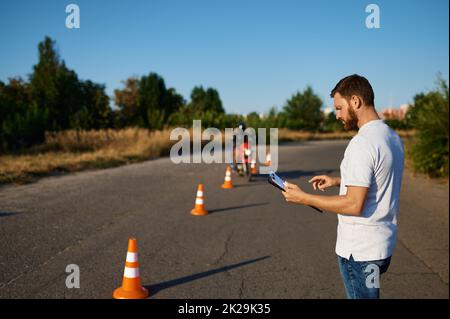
[268, 160]
[131, 284]
[227, 183]
[253, 169]
[199, 208]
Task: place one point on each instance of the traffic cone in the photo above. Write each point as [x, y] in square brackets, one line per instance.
[131, 284]
[253, 169]
[227, 183]
[199, 208]
[268, 160]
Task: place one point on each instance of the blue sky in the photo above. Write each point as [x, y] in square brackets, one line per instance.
[256, 53]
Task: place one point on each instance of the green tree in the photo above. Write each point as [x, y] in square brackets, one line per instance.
[95, 112]
[204, 105]
[54, 99]
[331, 124]
[22, 123]
[253, 120]
[429, 116]
[68, 101]
[127, 101]
[156, 103]
[44, 77]
[274, 119]
[54, 88]
[203, 101]
[302, 110]
[174, 101]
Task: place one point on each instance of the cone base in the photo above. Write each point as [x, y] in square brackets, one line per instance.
[227, 185]
[199, 212]
[140, 293]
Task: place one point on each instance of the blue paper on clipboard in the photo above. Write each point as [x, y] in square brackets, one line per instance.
[276, 181]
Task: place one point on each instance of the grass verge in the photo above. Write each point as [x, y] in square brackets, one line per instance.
[71, 151]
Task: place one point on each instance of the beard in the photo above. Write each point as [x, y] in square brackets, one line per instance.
[352, 121]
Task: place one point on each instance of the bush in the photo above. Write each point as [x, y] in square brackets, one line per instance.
[429, 116]
[398, 124]
[331, 124]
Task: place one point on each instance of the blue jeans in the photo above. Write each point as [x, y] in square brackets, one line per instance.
[361, 278]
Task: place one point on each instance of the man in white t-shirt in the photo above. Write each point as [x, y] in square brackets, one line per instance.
[368, 200]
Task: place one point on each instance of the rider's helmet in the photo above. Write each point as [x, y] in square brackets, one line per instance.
[242, 126]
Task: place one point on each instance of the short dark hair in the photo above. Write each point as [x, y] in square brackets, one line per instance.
[355, 85]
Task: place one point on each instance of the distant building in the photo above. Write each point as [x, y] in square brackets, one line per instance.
[395, 114]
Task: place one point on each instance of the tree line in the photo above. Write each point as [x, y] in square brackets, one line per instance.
[55, 99]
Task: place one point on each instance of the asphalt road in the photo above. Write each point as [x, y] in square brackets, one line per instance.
[251, 245]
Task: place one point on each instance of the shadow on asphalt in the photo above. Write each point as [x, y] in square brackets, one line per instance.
[257, 179]
[250, 184]
[154, 289]
[5, 214]
[212, 211]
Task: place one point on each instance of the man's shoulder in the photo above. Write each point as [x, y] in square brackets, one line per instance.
[379, 139]
[358, 142]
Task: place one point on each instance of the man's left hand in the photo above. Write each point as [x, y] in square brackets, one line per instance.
[293, 193]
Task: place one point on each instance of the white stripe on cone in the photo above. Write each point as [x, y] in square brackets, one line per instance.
[199, 193]
[131, 272]
[227, 178]
[199, 201]
[132, 257]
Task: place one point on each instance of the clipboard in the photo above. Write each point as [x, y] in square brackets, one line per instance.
[276, 181]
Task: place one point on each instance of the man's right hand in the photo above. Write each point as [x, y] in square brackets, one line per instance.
[323, 181]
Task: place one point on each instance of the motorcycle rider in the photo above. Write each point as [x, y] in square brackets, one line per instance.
[241, 154]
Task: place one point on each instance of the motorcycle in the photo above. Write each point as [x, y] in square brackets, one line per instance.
[242, 167]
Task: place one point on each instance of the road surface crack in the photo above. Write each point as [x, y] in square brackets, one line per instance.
[7, 283]
[423, 262]
[77, 242]
[242, 287]
[225, 249]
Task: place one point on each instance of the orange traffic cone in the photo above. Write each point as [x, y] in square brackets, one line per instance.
[227, 183]
[199, 208]
[131, 284]
[253, 169]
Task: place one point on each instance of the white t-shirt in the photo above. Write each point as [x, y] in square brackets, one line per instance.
[373, 159]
